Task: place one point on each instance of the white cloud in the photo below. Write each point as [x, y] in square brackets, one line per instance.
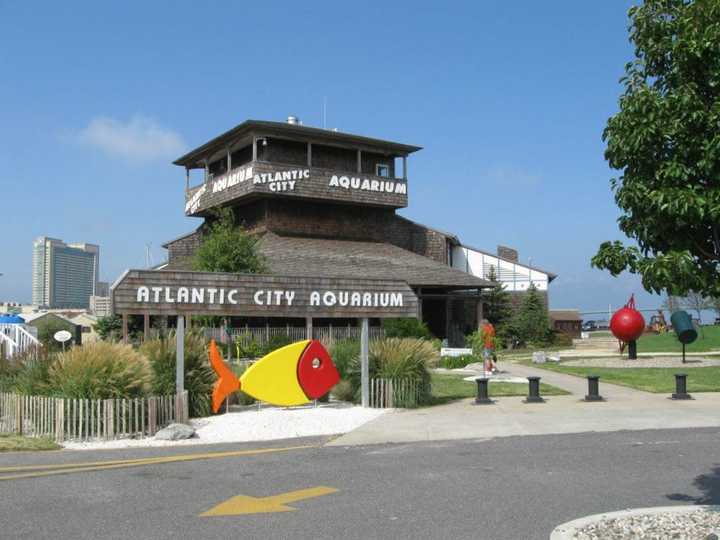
[139, 139]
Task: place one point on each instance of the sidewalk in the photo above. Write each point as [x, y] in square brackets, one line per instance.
[624, 409]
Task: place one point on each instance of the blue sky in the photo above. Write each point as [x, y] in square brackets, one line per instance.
[509, 101]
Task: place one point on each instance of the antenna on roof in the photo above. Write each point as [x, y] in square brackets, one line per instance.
[148, 256]
[325, 112]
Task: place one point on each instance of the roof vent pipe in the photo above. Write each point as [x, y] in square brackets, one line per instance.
[294, 120]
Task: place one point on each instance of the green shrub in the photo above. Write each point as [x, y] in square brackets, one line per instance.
[456, 362]
[241, 397]
[99, 370]
[246, 346]
[199, 376]
[395, 358]
[27, 372]
[561, 339]
[406, 328]
[343, 354]
[274, 343]
[344, 391]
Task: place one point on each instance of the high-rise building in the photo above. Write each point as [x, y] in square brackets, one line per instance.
[102, 288]
[101, 306]
[64, 275]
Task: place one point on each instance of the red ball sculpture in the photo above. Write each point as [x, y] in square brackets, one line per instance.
[627, 324]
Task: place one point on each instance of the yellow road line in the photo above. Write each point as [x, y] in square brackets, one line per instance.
[32, 471]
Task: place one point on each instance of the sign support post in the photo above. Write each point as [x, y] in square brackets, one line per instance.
[180, 356]
[364, 362]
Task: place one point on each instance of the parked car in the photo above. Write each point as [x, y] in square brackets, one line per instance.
[589, 326]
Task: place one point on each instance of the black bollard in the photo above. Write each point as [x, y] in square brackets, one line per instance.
[632, 350]
[534, 391]
[681, 387]
[593, 389]
[483, 397]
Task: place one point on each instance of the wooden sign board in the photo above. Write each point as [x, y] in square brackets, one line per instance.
[158, 292]
[301, 182]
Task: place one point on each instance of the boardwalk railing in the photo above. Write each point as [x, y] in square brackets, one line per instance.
[64, 419]
[15, 339]
[396, 393]
[263, 335]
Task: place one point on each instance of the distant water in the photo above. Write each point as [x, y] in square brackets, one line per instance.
[707, 316]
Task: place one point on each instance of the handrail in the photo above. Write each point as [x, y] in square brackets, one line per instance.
[18, 338]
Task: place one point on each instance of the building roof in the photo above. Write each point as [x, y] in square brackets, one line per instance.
[292, 131]
[11, 319]
[348, 258]
[320, 257]
[550, 275]
[564, 315]
[32, 317]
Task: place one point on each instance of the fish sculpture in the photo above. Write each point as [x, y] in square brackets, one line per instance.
[291, 375]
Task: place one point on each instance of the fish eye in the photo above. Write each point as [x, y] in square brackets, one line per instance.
[316, 363]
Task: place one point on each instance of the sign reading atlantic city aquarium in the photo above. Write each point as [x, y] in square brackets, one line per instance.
[165, 292]
[313, 183]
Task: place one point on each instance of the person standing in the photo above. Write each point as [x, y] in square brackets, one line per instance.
[487, 334]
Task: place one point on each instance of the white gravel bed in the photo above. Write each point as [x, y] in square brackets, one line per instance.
[660, 523]
[269, 423]
[696, 525]
[644, 362]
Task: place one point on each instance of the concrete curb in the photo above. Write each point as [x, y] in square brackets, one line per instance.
[567, 531]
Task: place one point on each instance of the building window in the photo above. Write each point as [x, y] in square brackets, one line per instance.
[381, 169]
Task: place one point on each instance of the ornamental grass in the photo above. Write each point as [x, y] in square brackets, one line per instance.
[398, 359]
[99, 370]
[199, 376]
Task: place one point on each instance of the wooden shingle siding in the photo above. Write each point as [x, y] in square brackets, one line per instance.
[126, 296]
[315, 187]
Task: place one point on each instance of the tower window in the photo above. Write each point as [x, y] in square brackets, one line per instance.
[382, 169]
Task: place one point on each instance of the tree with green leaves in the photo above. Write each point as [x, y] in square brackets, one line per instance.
[227, 247]
[108, 326]
[696, 302]
[665, 141]
[531, 324]
[496, 301]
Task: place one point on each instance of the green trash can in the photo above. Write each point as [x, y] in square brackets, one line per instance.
[683, 326]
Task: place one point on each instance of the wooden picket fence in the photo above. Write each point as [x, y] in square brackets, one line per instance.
[396, 393]
[64, 419]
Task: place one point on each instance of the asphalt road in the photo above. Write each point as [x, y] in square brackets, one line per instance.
[511, 488]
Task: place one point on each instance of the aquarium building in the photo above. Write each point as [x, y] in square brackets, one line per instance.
[324, 204]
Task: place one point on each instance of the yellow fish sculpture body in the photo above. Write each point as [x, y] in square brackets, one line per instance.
[291, 375]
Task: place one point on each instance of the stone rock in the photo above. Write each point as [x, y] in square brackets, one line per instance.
[175, 432]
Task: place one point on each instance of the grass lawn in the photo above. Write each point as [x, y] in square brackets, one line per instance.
[708, 339]
[659, 380]
[14, 443]
[446, 388]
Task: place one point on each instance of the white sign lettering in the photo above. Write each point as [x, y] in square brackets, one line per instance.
[274, 298]
[186, 295]
[266, 297]
[194, 202]
[281, 180]
[232, 179]
[367, 184]
[356, 299]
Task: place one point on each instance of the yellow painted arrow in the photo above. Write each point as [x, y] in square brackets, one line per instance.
[242, 504]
